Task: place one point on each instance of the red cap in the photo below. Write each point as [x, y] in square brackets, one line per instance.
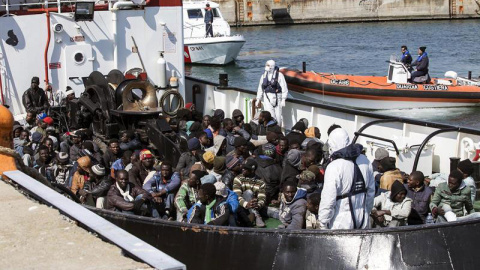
[188, 105]
[48, 120]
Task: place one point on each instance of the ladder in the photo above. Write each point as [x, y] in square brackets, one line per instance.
[453, 8]
[241, 12]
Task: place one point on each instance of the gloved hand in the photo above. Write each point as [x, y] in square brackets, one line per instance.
[283, 103]
[257, 104]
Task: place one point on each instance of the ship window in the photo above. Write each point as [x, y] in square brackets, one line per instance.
[79, 58]
[195, 14]
[216, 14]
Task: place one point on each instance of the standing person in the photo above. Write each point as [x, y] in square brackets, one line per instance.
[349, 187]
[273, 89]
[421, 63]
[208, 20]
[406, 57]
[34, 99]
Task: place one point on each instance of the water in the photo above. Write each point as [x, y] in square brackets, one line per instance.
[360, 49]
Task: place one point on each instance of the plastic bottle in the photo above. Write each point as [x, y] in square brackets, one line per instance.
[429, 219]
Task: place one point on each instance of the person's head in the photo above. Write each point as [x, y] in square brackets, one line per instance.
[206, 121]
[207, 159]
[98, 171]
[234, 164]
[249, 167]
[49, 144]
[43, 153]
[309, 158]
[207, 5]
[313, 202]
[294, 144]
[283, 144]
[121, 176]
[421, 50]
[127, 136]
[240, 145]
[269, 66]
[63, 158]
[207, 193]
[216, 123]
[70, 93]
[126, 157]
[404, 49]
[289, 189]
[455, 180]
[190, 106]
[264, 117]
[268, 150]
[415, 179]
[386, 164]
[35, 82]
[135, 156]
[75, 137]
[317, 133]
[465, 167]
[203, 138]
[237, 116]
[398, 192]
[272, 137]
[332, 128]
[146, 158]
[114, 146]
[24, 135]
[89, 146]
[30, 118]
[228, 124]
[166, 170]
[194, 179]
[193, 145]
[84, 164]
[41, 124]
[17, 129]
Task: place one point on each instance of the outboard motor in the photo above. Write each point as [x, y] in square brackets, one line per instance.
[397, 72]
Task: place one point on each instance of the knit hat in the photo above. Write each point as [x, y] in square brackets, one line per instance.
[85, 163]
[219, 165]
[305, 122]
[62, 157]
[307, 176]
[423, 48]
[396, 188]
[69, 91]
[145, 153]
[35, 80]
[221, 189]
[48, 120]
[98, 170]
[15, 127]
[236, 113]
[193, 144]
[232, 161]
[250, 164]
[209, 133]
[219, 114]
[208, 157]
[41, 116]
[466, 166]
[272, 136]
[380, 153]
[310, 132]
[268, 150]
[239, 141]
[300, 126]
[37, 137]
[294, 157]
[188, 105]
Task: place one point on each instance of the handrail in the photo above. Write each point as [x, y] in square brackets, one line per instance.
[358, 134]
[425, 141]
[373, 123]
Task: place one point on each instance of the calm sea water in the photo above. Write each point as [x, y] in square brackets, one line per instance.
[361, 49]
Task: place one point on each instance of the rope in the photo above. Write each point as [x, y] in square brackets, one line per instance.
[25, 169]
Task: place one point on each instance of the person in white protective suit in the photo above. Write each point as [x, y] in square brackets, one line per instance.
[273, 89]
[344, 206]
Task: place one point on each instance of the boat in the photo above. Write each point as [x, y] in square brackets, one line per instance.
[221, 49]
[109, 85]
[385, 92]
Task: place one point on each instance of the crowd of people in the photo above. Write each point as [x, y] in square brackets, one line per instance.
[233, 173]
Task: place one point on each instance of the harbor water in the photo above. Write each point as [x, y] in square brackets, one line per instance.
[359, 49]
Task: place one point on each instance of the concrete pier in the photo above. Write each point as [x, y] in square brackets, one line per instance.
[266, 12]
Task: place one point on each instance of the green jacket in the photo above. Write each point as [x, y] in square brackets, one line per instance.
[457, 199]
[185, 198]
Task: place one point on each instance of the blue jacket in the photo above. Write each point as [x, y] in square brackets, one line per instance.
[155, 184]
[208, 16]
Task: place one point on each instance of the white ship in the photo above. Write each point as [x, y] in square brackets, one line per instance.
[221, 49]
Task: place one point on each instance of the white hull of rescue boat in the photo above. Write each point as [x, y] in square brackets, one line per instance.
[371, 104]
[212, 50]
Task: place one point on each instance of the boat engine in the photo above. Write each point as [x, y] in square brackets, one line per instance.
[397, 72]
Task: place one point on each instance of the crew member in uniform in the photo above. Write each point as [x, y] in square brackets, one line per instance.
[273, 89]
[208, 21]
[406, 57]
[421, 63]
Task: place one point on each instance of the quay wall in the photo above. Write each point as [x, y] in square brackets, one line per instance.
[266, 12]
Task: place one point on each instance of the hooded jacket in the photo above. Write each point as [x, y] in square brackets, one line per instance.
[339, 177]
[271, 173]
[292, 214]
[272, 126]
[399, 210]
[217, 143]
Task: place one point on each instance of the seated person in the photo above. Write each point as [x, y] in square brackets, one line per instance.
[311, 217]
[454, 194]
[59, 172]
[466, 168]
[392, 208]
[390, 173]
[126, 197]
[103, 182]
[81, 175]
[292, 206]
[420, 195]
[251, 194]
[421, 63]
[163, 186]
[142, 169]
[211, 209]
[187, 195]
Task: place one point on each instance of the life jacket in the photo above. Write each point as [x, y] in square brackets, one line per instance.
[272, 86]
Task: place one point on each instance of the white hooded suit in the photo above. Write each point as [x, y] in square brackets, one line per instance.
[270, 99]
[333, 213]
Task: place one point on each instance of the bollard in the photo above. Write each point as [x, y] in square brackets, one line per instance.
[7, 162]
[454, 163]
[304, 67]
[469, 75]
[223, 79]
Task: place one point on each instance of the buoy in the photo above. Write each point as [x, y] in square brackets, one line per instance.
[162, 70]
[7, 162]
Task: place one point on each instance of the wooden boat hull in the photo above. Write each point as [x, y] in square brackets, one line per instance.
[373, 92]
[439, 246]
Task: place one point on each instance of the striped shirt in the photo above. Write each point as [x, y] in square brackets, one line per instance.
[257, 186]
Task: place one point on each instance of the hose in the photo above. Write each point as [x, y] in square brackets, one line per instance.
[166, 95]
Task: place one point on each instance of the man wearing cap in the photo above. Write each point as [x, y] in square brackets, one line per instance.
[234, 168]
[251, 194]
[102, 184]
[75, 148]
[421, 63]
[140, 170]
[241, 149]
[60, 171]
[269, 170]
[41, 127]
[82, 174]
[34, 99]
